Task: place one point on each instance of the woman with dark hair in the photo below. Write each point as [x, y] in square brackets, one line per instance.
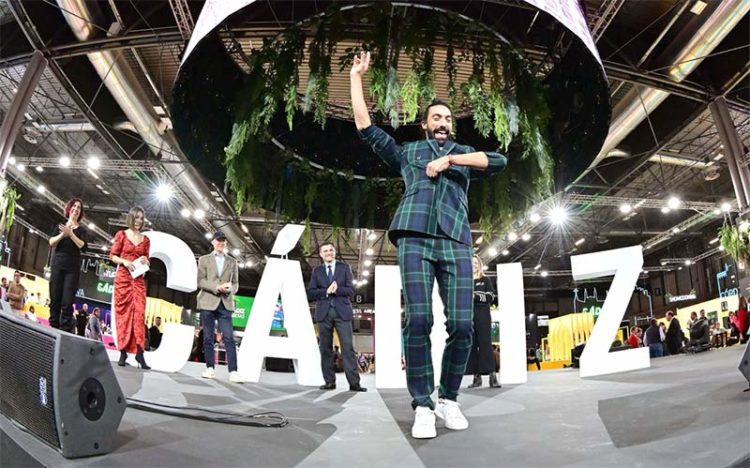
[68, 241]
[130, 245]
[481, 360]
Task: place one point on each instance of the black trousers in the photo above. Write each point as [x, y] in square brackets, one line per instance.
[63, 285]
[344, 330]
[481, 359]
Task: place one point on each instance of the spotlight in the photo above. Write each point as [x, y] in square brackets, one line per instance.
[244, 228]
[12, 161]
[164, 192]
[236, 252]
[544, 273]
[372, 236]
[185, 213]
[512, 236]
[538, 266]
[249, 264]
[369, 251]
[675, 230]
[368, 262]
[64, 161]
[558, 216]
[484, 267]
[726, 207]
[665, 209]
[365, 272]
[534, 217]
[506, 252]
[364, 281]
[717, 211]
[721, 248]
[526, 237]
[674, 203]
[94, 163]
[492, 251]
[479, 240]
[41, 188]
[208, 235]
[92, 226]
[39, 169]
[625, 208]
[581, 241]
[199, 214]
[21, 167]
[688, 262]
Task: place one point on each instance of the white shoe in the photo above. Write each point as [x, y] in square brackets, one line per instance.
[209, 373]
[451, 413]
[235, 377]
[424, 423]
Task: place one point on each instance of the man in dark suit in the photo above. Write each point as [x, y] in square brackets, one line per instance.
[431, 231]
[331, 287]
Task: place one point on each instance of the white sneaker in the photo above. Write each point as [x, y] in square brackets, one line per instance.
[424, 423]
[451, 413]
[235, 377]
[209, 373]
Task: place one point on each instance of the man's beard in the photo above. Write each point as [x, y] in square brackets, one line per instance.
[434, 134]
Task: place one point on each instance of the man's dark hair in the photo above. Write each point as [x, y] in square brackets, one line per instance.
[435, 102]
[320, 247]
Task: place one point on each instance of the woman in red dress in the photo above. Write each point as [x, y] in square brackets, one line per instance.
[130, 293]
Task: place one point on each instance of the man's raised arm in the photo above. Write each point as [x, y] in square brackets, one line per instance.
[359, 68]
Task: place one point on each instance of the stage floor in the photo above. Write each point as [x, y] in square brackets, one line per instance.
[686, 410]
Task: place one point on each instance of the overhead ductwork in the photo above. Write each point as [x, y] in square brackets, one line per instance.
[117, 76]
[639, 102]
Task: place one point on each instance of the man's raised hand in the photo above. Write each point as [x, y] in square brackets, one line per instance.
[361, 64]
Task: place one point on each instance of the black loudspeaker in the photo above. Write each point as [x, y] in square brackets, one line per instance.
[744, 366]
[59, 387]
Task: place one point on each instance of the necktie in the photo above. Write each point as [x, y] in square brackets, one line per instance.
[330, 275]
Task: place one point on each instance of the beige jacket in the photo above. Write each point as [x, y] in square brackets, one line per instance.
[16, 295]
[209, 279]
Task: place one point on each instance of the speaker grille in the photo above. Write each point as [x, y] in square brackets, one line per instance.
[26, 363]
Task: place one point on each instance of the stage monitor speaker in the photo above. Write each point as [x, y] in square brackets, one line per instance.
[744, 366]
[59, 387]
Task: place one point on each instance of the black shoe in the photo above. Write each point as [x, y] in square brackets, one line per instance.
[357, 388]
[477, 381]
[328, 386]
[122, 362]
[141, 362]
[493, 381]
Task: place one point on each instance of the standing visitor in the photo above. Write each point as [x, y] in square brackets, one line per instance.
[481, 361]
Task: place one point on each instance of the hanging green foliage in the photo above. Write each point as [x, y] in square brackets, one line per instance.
[736, 242]
[8, 208]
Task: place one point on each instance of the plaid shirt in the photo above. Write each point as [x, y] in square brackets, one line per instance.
[437, 207]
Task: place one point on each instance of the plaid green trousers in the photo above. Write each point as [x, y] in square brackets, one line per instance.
[422, 260]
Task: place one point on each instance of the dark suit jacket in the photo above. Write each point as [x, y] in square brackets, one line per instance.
[430, 203]
[316, 291]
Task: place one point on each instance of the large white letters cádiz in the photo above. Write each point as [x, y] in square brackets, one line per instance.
[283, 277]
[182, 275]
[625, 264]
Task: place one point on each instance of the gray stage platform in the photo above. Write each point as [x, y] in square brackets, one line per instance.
[684, 411]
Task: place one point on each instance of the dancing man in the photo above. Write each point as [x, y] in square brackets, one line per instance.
[431, 232]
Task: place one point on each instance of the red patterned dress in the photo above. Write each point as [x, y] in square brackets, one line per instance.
[130, 295]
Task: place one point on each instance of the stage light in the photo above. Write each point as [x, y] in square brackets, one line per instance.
[369, 251]
[544, 273]
[64, 161]
[512, 236]
[675, 230]
[538, 266]
[674, 203]
[249, 264]
[726, 207]
[368, 262]
[164, 192]
[12, 161]
[372, 236]
[208, 235]
[688, 262]
[581, 241]
[21, 167]
[199, 214]
[185, 213]
[244, 229]
[104, 248]
[721, 248]
[484, 267]
[663, 263]
[364, 281]
[92, 226]
[718, 157]
[492, 251]
[717, 211]
[41, 188]
[236, 252]
[479, 240]
[365, 272]
[506, 252]
[625, 208]
[558, 216]
[39, 169]
[526, 237]
[534, 217]
[32, 231]
[665, 209]
[94, 163]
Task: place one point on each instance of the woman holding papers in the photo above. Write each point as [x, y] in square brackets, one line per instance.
[130, 252]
